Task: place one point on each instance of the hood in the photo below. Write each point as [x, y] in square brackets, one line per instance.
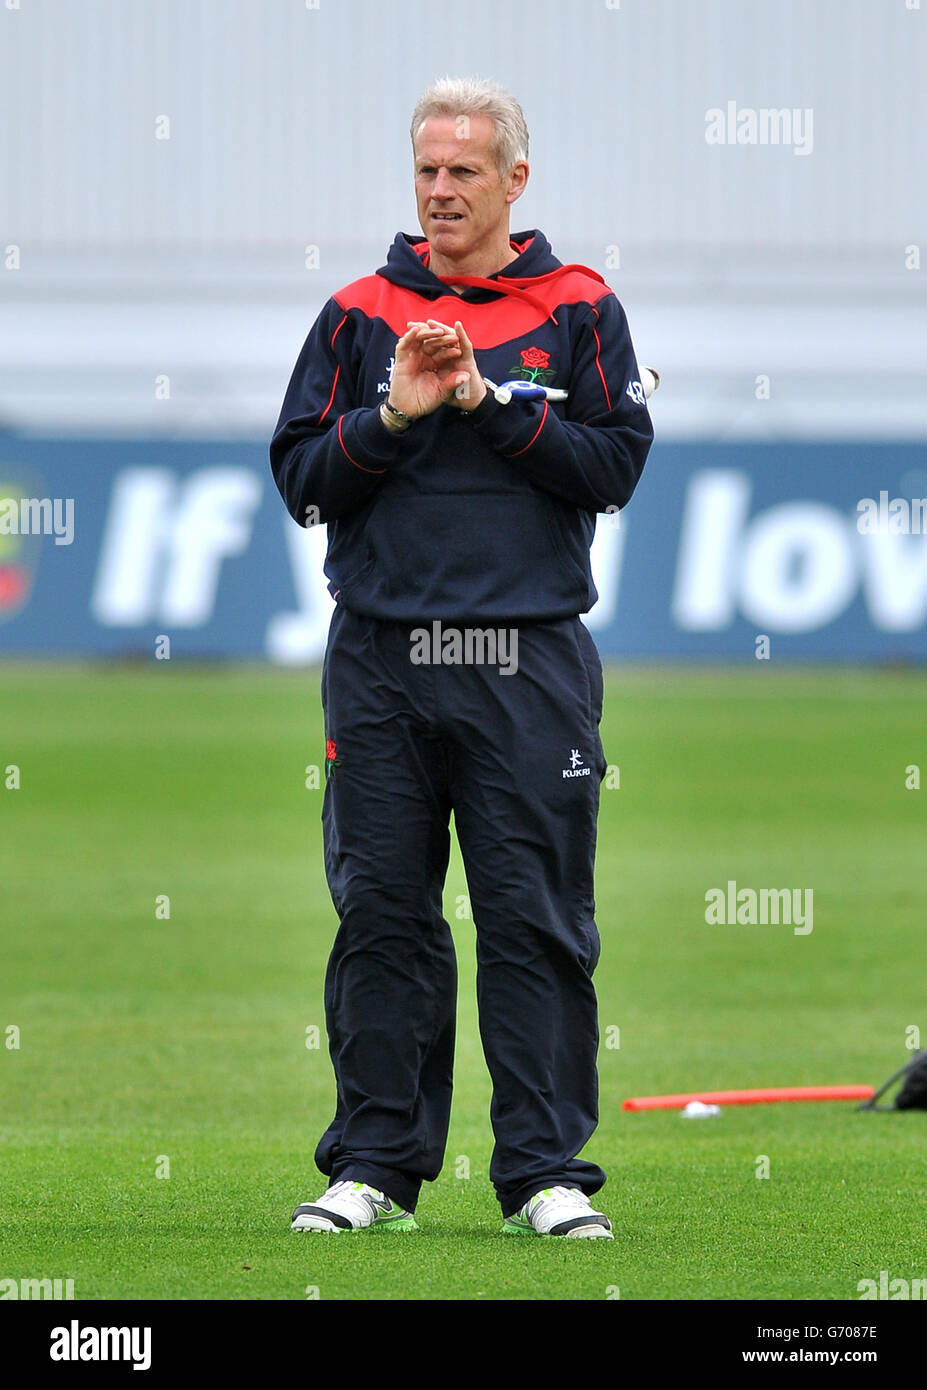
[407, 265]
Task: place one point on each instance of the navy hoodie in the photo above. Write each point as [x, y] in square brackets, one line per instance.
[486, 515]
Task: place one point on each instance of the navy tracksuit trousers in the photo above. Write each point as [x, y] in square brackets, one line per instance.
[414, 742]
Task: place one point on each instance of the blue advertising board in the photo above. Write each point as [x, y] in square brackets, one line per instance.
[107, 546]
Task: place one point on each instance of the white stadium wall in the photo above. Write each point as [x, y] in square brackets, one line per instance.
[168, 165]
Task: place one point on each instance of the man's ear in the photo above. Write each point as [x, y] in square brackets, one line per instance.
[518, 178]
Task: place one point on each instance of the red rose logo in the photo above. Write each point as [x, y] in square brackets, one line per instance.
[331, 757]
[535, 358]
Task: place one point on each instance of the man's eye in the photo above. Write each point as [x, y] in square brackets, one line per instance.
[456, 171]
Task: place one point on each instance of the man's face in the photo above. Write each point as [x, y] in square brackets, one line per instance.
[463, 202]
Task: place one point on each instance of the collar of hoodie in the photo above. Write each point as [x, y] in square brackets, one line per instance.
[536, 264]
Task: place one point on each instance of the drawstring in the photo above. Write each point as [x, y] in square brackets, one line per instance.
[517, 285]
[510, 286]
[514, 285]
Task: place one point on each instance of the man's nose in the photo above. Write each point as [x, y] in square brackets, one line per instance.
[443, 184]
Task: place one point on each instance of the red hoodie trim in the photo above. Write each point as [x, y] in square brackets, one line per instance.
[534, 436]
[524, 303]
[598, 349]
[334, 384]
[348, 456]
[337, 331]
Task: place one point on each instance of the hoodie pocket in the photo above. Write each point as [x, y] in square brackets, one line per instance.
[486, 554]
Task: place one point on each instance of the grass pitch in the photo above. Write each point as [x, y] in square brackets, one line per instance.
[161, 1108]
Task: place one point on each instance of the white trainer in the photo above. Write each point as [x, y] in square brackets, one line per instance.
[559, 1211]
[352, 1206]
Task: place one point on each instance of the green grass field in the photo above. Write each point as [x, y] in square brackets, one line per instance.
[146, 1041]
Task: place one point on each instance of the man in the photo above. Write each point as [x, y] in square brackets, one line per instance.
[458, 675]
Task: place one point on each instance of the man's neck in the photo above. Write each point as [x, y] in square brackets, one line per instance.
[482, 265]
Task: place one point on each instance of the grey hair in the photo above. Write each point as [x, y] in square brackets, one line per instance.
[478, 96]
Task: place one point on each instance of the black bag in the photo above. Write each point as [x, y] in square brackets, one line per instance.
[913, 1094]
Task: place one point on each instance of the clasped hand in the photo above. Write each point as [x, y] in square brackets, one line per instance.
[434, 365]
